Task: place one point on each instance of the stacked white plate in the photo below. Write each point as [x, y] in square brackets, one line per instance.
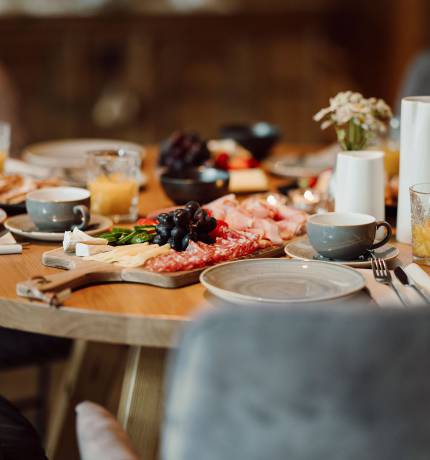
[66, 158]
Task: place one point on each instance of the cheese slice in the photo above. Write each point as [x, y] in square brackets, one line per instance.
[248, 180]
[78, 236]
[86, 250]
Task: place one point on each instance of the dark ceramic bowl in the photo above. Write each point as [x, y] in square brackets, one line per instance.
[258, 138]
[199, 184]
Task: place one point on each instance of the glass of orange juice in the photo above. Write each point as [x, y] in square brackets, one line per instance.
[4, 143]
[112, 179]
[420, 215]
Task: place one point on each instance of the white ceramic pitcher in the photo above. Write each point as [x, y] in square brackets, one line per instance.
[414, 157]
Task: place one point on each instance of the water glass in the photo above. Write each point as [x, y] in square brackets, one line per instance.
[420, 221]
[4, 143]
[112, 179]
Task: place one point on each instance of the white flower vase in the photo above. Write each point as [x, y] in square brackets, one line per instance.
[360, 183]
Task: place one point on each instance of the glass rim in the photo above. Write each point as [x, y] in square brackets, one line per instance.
[412, 188]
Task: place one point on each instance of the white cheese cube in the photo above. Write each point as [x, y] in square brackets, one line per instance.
[86, 250]
[78, 236]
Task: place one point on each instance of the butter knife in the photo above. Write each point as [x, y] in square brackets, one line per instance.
[405, 280]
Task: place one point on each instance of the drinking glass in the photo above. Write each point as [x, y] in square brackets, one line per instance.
[112, 179]
[420, 216]
[4, 143]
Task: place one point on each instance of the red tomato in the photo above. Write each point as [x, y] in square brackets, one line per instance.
[219, 229]
[146, 221]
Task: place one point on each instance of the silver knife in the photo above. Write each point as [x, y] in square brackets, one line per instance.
[404, 279]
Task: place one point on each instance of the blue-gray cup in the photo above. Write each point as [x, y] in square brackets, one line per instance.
[344, 235]
[58, 209]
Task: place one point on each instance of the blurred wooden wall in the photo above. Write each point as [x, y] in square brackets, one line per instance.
[198, 71]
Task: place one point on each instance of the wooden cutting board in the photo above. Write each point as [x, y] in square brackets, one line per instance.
[54, 288]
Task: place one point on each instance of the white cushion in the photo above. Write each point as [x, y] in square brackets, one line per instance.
[100, 436]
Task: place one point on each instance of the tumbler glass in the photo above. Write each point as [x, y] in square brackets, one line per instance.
[112, 179]
[420, 221]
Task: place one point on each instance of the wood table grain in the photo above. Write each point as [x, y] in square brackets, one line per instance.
[145, 317]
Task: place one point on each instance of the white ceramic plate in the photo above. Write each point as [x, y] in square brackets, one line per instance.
[70, 153]
[66, 158]
[301, 248]
[3, 216]
[23, 226]
[280, 281]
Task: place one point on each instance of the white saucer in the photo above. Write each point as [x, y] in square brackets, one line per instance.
[300, 248]
[3, 216]
[280, 281]
[23, 226]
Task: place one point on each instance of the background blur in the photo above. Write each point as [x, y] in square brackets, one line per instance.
[138, 69]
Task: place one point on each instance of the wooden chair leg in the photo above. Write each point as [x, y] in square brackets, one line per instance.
[141, 404]
[94, 373]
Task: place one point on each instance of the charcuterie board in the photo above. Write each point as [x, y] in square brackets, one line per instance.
[80, 273]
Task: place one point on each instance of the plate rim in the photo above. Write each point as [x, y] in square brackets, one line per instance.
[27, 152]
[272, 165]
[346, 263]
[53, 236]
[252, 299]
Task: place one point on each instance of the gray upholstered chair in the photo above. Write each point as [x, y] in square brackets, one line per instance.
[295, 384]
[416, 81]
[280, 384]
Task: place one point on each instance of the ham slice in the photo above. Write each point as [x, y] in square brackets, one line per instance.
[274, 222]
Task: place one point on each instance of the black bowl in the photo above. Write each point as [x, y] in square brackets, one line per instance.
[199, 184]
[258, 138]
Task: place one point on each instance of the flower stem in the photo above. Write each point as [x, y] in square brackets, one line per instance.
[352, 136]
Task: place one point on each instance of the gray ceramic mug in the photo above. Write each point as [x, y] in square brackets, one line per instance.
[57, 209]
[345, 236]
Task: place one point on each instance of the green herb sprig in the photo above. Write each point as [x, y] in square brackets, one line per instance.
[119, 236]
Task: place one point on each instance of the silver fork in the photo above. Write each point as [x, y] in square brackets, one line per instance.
[383, 275]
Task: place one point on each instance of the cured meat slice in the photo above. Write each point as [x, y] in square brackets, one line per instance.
[274, 221]
[231, 245]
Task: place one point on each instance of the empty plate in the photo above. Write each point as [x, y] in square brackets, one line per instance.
[301, 248]
[305, 165]
[70, 153]
[23, 226]
[66, 158]
[280, 281]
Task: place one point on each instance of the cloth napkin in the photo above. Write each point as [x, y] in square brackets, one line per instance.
[385, 296]
[8, 245]
[14, 166]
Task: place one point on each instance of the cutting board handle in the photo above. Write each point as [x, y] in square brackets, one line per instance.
[54, 289]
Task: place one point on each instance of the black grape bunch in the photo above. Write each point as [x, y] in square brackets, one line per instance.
[179, 227]
[183, 150]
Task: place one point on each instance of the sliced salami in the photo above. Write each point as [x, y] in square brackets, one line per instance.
[231, 245]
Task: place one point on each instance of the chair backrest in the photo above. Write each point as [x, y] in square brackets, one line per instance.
[416, 80]
[301, 384]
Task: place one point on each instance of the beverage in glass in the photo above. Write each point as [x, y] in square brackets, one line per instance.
[112, 179]
[420, 221]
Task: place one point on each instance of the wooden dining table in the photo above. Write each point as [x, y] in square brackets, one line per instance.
[122, 332]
